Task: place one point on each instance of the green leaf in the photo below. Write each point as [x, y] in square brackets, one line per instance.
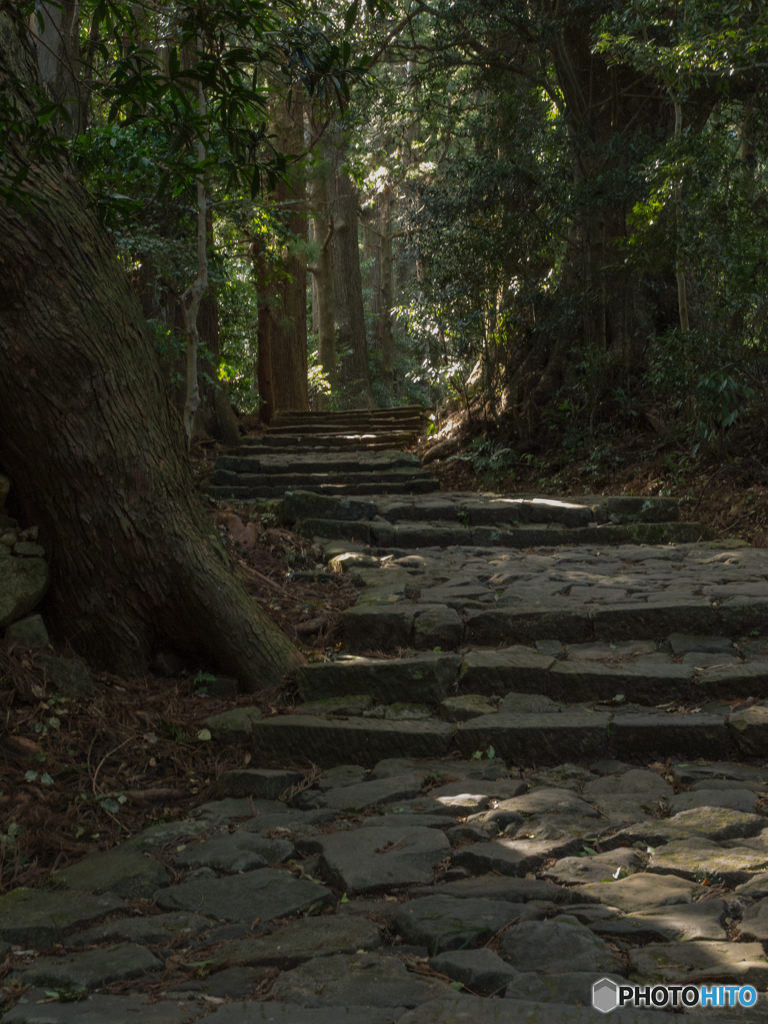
[30, 776]
[350, 16]
[344, 899]
[204, 735]
[110, 805]
[46, 779]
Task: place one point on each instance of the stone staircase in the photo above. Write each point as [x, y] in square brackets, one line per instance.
[357, 452]
[543, 630]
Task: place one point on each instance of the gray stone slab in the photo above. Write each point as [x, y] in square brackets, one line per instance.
[642, 892]
[370, 979]
[423, 820]
[734, 799]
[441, 626]
[588, 680]
[637, 782]
[383, 857]
[443, 922]
[472, 795]
[532, 738]
[471, 705]
[289, 1013]
[719, 823]
[754, 922]
[374, 792]
[507, 889]
[92, 968]
[682, 643]
[146, 931]
[259, 783]
[555, 946]
[480, 970]
[749, 729]
[302, 940]
[701, 963]
[34, 917]
[342, 775]
[684, 923]
[460, 1009]
[699, 859]
[383, 628]
[526, 704]
[352, 704]
[512, 856]
[265, 894]
[363, 740]
[158, 838]
[600, 867]
[640, 621]
[232, 983]
[35, 1007]
[570, 988]
[526, 625]
[515, 668]
[234, 852]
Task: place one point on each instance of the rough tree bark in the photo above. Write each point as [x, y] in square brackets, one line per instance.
[347, 282]
[95, 451]
[282, 286]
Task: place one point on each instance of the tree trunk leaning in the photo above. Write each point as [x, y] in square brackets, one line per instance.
[96, 453]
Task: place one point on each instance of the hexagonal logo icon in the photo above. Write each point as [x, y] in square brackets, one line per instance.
[605, 995]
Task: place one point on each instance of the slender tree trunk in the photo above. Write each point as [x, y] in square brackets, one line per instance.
[58, 58]
[95, 452]
[384, 203]
[322, 282]
[347, 282]
[284, 286]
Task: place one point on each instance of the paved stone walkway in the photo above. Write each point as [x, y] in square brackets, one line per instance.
[541, 766]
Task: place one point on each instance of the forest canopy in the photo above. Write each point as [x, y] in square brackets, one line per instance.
[552, 213]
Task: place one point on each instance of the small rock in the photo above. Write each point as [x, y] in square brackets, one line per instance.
[361, 979]
[556, 946]
[24, 549]
[442, 922]
[233, 726]
[479, 969]
[235, 852]
[382, 857]
[122, 871]
[67, 676]
[29, 631]
[35, 917]
[92, 969]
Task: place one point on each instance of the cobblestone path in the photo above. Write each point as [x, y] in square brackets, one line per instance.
[542, 756]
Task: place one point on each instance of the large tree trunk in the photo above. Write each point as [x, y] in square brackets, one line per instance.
[347, 282]
[95, 452]
[283, 284]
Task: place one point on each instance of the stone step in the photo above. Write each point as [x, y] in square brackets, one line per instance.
[353, 427]
[472, 510]
[384, 537]
[419, 485]
[269, 445]
[298, 477]
[396, 412]
[379, 462]
[399, 620]
[638, 671]
[573, 734]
